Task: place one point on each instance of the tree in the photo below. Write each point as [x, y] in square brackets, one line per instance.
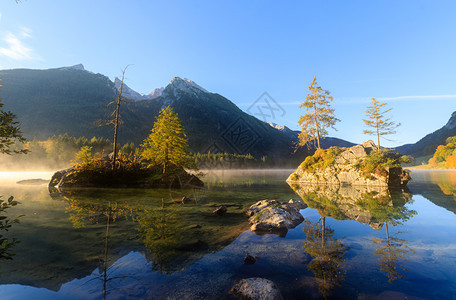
[167, 143]
[319, 115]
[381, 125]
[10, 133]
[116, 119]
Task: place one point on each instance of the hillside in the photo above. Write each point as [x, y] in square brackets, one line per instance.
[428, 144]
[71, 100]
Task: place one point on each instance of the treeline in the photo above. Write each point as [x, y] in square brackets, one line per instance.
[230, 161]
[445, 155]
[58, 152]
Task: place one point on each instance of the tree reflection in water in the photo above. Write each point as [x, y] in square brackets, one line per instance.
[368, 205]
[82, 214]
[391, 252]
[327, 255]
[389, 208]
[161, 230]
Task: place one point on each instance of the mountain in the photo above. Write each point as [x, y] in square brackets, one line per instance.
[133, 95]
[428, 144]
[325, 143]
[73, 100]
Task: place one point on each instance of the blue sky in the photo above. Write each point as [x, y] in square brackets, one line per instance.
[402, 52]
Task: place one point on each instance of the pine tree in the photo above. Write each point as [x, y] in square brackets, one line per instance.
[10, 134]
[381, 125]
[319, 115]
[167, 143]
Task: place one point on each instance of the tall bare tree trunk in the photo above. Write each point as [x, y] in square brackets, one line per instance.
[317, 127]
[378, 136]
[116, 121]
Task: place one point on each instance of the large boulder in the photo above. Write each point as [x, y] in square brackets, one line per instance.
[271, 216]
[344, 171]
[256, 289]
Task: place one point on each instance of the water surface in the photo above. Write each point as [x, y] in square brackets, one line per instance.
[119, 243]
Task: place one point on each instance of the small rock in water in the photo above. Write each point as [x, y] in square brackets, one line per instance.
[249, 259]
[186, 200]
[221, 210]
[256, 289]
[38, 181]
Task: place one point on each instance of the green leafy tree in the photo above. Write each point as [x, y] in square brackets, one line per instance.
[167, 143]
[10, 134]
[319, 116]
[377, 120]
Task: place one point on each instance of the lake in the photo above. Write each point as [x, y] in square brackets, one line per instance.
[148, 244]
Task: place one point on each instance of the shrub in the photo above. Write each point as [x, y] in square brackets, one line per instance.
[378, 161]
[321, 159]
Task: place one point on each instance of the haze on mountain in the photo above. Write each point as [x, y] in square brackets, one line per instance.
[71, 99]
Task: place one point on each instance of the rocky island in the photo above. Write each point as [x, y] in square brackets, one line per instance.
[128, 174]
[360, 165]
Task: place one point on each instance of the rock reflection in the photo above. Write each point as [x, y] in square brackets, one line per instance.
[372, 206]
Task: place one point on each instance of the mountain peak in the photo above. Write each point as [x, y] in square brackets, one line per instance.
[185, 85]
[451, 122]
[75, 67]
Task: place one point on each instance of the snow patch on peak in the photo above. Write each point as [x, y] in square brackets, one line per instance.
[156, 93]
[75, 67]
[129, 93]
[178, 86]
[290, 133]
[279, 127]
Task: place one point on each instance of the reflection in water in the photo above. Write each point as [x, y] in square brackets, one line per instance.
[437, 186]
[327, 255]
[174, 234]
[161, 230]
[391, 252]
[368, 205]
[83, 213]
[6, 223]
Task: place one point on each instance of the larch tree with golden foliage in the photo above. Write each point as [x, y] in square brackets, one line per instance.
[167, 143]
[378, 122]
[319, 116]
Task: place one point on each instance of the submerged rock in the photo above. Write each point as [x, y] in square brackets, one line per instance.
[271, 216]
[219, 211]
[187, 200]
[249, 259]
[344, 171]
[256, 289]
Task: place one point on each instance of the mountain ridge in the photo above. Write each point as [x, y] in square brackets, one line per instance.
[70, 100]
[429, 143]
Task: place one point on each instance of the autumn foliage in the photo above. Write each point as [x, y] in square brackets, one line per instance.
[445, 155]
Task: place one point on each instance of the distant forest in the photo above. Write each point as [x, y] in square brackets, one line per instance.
[58, 152]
